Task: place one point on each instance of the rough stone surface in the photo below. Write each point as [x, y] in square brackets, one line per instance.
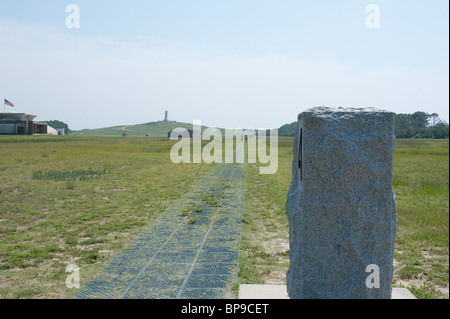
[341, 204]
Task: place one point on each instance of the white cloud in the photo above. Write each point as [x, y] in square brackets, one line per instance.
[97, 81]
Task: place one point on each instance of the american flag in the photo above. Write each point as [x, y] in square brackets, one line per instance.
[8, 103]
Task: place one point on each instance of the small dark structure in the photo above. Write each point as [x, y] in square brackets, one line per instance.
[177, 131]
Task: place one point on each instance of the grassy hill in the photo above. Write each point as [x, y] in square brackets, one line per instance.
[153, 129]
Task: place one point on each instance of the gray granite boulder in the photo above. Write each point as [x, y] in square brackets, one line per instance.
[341, 205]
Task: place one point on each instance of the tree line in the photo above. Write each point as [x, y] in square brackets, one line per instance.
[420, 125]
[416, 125]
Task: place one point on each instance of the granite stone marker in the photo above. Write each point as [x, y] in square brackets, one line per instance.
[341, 205]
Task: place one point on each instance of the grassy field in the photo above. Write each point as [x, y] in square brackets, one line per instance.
[77, 202]
[421, 185]
[80, 199]
[421, 178]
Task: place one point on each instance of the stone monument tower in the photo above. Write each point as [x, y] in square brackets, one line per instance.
[341, 205]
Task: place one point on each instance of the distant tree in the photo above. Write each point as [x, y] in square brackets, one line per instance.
[419, 120]
[440, 130]
[434, 119]
[416, 125]
[420, 125]
[402, 121]
[288, 129]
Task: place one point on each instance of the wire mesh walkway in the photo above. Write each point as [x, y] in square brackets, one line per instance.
[191, 251]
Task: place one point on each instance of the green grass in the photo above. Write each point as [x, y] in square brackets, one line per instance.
[421, 185]
[264, 255]
[420, 180]
[80, 199]
[68, 175]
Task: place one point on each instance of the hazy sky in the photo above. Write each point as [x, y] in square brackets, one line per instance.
[246, 63]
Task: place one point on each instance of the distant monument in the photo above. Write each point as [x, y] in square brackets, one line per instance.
[166, 117]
